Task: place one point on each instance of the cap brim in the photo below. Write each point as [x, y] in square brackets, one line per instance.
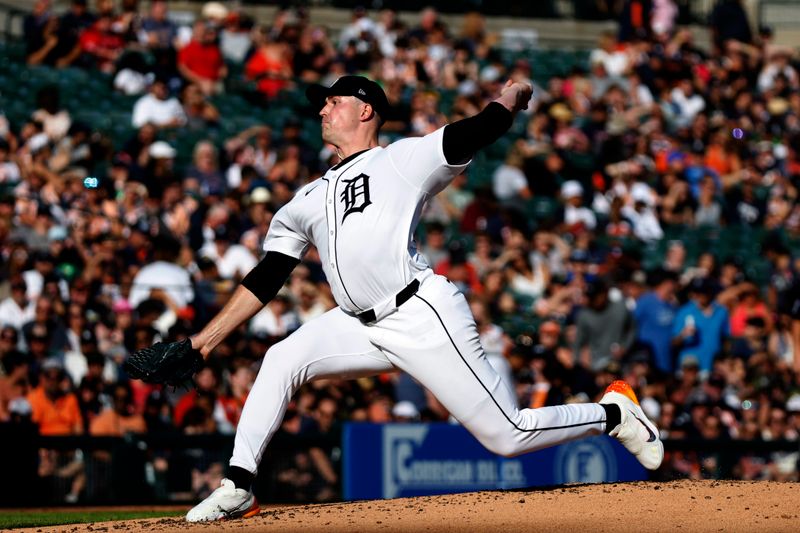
[317, 94]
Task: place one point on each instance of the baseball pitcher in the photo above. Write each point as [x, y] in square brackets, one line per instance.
[393, 312]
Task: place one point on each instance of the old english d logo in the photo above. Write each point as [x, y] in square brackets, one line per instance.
[355, 195]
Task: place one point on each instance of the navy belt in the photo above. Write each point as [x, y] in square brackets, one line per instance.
[402, 297]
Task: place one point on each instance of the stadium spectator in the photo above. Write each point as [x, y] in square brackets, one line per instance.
[655, 312]
[240, 382]
[55, 406]
[201, 61]
[605, 329]
[157, 30]
[277, 319]
[70, 27]
[54, 119]
[576, 216]
[270, 64]
[233, 261]
[14, 383]
[101, 45]
[198, 111]
[119, 419]
[701, 326]
[40, 29]
[165, 275]
[158, 108]
[728, 21]
[16, 309]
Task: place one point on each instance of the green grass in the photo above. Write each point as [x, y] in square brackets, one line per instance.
[12, 519]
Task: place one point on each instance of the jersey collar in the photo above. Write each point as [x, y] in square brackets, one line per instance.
[349, 158]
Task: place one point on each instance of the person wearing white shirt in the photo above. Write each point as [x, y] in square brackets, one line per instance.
[575, 214]
[642, 215]
[615, 62]
[508, 181]
[158, 108]
[687, 103]
[164, 274]
[276, 319]
[232, 260]
[17, 310]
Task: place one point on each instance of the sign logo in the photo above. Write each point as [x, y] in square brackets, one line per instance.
[587, 461]
[399, 444]
[355, 195]
[415, 462]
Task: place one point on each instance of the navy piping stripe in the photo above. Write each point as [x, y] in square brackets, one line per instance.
[487, 390]
[336, 238]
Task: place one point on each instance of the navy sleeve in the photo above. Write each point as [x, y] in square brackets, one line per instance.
[465, 137]
[269, 275]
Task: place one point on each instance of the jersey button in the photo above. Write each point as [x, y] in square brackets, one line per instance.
[331, 232]
[330, 201]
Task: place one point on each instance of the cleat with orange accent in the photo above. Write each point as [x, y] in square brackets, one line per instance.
[635, 431]
[224, 503]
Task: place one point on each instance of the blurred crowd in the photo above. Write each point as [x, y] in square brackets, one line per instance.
[109, 248]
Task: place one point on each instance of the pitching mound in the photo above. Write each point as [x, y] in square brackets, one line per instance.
[691, 506]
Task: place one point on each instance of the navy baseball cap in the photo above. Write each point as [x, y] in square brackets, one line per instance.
[362, 88]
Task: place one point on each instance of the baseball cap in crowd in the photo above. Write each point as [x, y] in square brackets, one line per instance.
[571, 189]
[701, 285]
[161, 150]
[215, 11]
[405, 409]
[362, 88]
[690, 361]
[260, 195]
[640, 192]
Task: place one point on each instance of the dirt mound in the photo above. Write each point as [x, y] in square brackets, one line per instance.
[691, 506]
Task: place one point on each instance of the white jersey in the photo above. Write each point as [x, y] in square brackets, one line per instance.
[361, 216]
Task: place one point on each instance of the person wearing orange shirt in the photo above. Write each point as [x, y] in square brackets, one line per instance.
[55, 411]
[121, 418]
[55, 407]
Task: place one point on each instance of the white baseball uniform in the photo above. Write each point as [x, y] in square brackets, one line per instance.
[361, 216]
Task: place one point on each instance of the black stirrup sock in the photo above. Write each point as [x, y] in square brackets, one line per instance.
[241, 477]
[613, 416]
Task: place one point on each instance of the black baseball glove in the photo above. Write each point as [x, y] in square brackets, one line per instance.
[163, 363]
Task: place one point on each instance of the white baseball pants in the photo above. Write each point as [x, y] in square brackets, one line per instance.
[433, 338]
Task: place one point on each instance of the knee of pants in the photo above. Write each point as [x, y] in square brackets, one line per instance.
[502, 442]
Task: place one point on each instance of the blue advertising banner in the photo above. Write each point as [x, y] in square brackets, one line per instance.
[396, 460]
